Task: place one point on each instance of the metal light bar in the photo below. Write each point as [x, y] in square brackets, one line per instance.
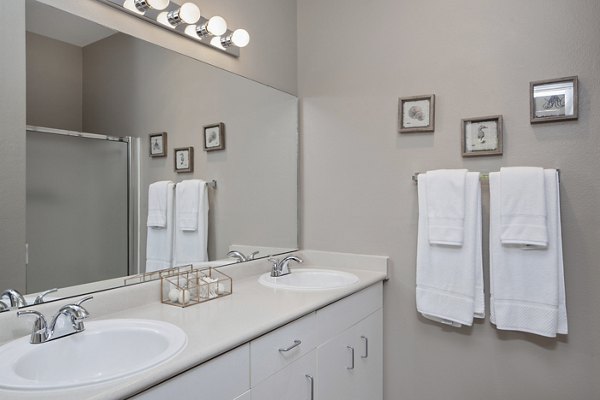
[185, 30]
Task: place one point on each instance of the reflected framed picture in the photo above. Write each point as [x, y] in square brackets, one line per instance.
[481, 136]
[553, 100]
[158, 144]
[416, 114]
[214, 137]
[184, 159]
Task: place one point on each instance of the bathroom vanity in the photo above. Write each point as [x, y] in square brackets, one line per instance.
[259, 343]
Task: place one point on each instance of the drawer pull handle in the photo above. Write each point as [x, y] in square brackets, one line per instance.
[286, 349]
[351, 355]
[366, 354]
[312, 386]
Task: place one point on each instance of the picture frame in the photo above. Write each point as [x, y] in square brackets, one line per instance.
[184, 159]
[214, 137]
[158, 144]
[554, 100]
[416, 114]
[482, 136]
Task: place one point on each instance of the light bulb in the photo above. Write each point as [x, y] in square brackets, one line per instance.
[240, 38]
[189, 13]
[145, 5]
[217, 26]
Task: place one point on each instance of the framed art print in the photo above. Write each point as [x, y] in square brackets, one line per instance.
[158, 144]
[214, 137]
[481, 136]
[184, 159]
[416, 114]
[553, 100]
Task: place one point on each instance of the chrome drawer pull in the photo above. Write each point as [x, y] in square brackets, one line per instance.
[352, 355]
[366, 355]
[296, 344]
[312, 386]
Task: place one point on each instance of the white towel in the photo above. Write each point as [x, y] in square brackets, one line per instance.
[527, 286]
[446, 206]
[523, 204]
[191, 247]
[157, 204]
[450, 278]
[159, 242]
[188, 204]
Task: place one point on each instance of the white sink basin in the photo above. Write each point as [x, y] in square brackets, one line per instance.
[106, 350]
[310, 279]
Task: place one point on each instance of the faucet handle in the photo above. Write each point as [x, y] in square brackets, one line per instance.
[39, 333]
[86, 298]
[252, 255]
[273, 261]
[40, 298]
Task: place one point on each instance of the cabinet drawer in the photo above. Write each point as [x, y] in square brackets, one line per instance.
[277, 349]
[222, 378]
[342, 314]
[291, 383]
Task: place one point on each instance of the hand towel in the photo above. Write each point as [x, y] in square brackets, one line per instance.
[191, 247]
[527, 286]
[523, 205]
[157, 204]
[450, 278]
[159, 242]
[446, 206]
[188, 203]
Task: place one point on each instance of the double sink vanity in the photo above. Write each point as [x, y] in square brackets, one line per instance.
[315, 333]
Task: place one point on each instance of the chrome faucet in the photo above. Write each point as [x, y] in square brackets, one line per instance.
[241, 257]
[43, 332]
[281, 268]
[15, 298]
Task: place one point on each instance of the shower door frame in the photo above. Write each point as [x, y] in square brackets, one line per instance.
[132, 185]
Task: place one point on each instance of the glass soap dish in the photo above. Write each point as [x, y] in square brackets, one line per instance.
[194, 287]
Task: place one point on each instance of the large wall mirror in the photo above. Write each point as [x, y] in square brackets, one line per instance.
[94, 97]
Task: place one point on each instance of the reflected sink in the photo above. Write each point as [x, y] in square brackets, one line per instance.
[310, 279]
[106, 350]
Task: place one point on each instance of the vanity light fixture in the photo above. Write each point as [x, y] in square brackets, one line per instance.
[186, 20]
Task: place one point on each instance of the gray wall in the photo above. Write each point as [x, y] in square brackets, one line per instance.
[54, 83]
[478, 57]
[147, 89]
[12, 151]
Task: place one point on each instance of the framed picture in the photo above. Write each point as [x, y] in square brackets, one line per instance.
[553, 100]
[482, 136]
[214, 137]
[416, 114]
[158, 144]
[184, 159]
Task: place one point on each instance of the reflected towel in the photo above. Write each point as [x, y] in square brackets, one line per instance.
[159, 242]
[446, 206]
[191, 246]
[157, 204]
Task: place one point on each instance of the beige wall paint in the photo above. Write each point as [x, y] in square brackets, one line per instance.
[54, 83]
[355, 59]
[12, 150]
[270, 58]
[133, 88]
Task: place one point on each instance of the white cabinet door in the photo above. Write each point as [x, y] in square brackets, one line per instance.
[350, 366]
[369, 358]
[294, 382]
[336, 367]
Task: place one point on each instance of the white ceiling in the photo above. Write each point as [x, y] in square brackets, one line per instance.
[56, 24]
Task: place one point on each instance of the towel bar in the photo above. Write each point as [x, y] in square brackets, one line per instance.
[484, 176]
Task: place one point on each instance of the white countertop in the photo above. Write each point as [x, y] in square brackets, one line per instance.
[220, 325]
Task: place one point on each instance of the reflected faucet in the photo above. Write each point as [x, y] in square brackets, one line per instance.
[42, 332]
[15, 298]
[241, 257]
[281, 268]
[40, 298]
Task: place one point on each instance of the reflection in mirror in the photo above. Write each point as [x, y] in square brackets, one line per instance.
[87, 195]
